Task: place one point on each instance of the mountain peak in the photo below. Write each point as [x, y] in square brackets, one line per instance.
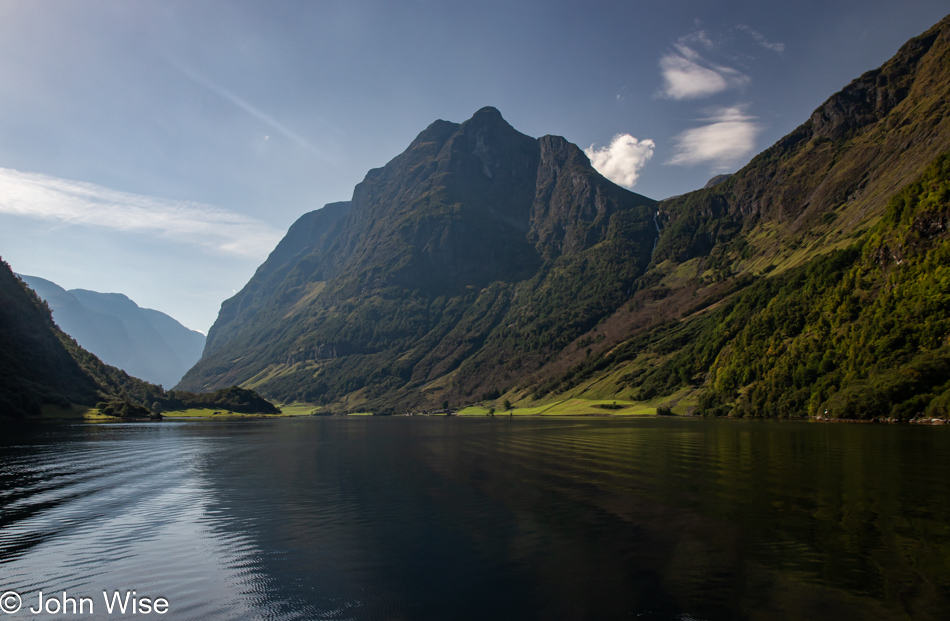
[488, 114]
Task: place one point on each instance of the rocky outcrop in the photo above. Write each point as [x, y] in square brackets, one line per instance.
[871, 97]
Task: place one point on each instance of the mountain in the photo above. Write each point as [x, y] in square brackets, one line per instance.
[142, 342]
[811, 281]
[42, 365]
[481, 263]
[468, 259]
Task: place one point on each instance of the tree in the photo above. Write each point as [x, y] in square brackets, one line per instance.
[507, 405]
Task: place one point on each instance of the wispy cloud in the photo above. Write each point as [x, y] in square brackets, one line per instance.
[688, 75]
[728, 137]
[759, 38]
[622, 159]
[245, 106]
[214, 229]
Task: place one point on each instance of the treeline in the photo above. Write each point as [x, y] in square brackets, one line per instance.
[233, 399]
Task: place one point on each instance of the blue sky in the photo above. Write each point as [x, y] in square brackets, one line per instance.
[161, 149]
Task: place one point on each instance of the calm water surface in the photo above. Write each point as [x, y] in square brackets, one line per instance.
[409, 518]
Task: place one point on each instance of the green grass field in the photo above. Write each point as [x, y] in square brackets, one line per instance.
[572, 407]
[286, 412]
[298, 409]
[565, 407]
[73, 412]
[91, 414]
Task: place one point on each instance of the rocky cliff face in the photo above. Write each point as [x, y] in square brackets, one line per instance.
[871, 97]
[473, 223]
[451, 211]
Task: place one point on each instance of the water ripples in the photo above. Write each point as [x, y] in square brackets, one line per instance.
[473, 519]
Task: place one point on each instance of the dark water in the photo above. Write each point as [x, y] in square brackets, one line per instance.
[364, 518]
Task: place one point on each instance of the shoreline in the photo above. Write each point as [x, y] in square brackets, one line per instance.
[92, 416]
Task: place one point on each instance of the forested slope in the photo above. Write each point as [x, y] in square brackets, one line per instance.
[860, 332]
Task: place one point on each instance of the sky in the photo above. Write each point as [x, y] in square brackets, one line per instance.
[161, 149]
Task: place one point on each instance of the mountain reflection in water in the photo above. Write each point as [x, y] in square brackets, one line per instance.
[376, 518]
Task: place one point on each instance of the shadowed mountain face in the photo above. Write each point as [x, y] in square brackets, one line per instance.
[145, 343]
[477, 248]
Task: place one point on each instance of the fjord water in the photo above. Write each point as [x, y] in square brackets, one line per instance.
[409, 518]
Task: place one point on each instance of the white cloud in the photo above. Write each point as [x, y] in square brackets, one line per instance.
[759, 38]
[214, 229]
[727, 138]
[622, 159]
[688, 75]
[684, 79]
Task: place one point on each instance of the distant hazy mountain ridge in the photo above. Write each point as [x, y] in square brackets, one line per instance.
[143, 342]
